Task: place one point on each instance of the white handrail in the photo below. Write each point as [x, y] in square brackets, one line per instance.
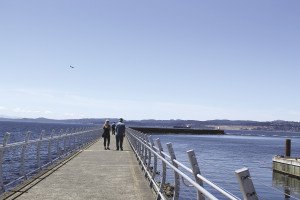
[82, 137]
[136, 136]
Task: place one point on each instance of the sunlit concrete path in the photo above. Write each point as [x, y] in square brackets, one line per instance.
[94, 173]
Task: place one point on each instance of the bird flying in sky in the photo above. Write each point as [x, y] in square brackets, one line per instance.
[71, 66]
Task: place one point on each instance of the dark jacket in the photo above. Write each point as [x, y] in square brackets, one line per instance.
[113, 127]
[106, 130]
[120, 129]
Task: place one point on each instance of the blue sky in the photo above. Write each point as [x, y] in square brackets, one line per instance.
[156, 59]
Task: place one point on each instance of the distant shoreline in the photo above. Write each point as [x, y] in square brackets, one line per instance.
[227, 125]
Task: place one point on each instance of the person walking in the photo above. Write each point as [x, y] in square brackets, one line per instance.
[120, 134]
[106, 135]
[113, 128]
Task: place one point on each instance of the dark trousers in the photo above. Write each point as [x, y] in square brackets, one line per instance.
[106, 139]
[119, 141]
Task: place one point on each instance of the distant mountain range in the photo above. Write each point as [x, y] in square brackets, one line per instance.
[278, 125]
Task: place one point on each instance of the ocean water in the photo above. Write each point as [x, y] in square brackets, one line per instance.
[18, 130]
[219, 157]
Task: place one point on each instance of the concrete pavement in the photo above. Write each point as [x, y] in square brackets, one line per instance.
[94, 173]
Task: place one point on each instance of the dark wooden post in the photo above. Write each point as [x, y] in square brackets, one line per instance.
[288, 148]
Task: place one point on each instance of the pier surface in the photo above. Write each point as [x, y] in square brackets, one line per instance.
[94, 173]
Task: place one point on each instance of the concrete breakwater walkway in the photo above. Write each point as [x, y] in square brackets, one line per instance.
[94, 173]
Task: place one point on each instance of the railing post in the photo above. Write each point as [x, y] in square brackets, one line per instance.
[2, 150]
[288, 148]
[176, 175]
[38, 150]
[196, 170]
[23, 154]
[6, 138]
[164, 173]
[246, 184]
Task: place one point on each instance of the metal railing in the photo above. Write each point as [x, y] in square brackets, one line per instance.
[150, 155]
[20, 160]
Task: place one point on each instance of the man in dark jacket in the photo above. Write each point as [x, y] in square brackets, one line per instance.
[113, 128]
[120, 134]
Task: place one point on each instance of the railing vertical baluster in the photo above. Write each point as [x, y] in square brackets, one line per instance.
[38, 150]
[80, 136]
[23, 155]
[67, 140]
[6, 138]
[2, 150]
[246, 184]
[64, 138]
[49, 147]
[58, 138]
[149, 153]
[196, 170]
[142, 149]
[136, 144]
[164, 173]
[76, 139]
[145, 150]
[138, 147]
[73, 139]
[139, 150]
[176, 175]
[154, 161]
[70, 138]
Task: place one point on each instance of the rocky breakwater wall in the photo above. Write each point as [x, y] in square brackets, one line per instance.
[159, 130]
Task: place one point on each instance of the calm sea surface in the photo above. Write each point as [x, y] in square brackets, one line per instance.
[218, 156]
[18, 130]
